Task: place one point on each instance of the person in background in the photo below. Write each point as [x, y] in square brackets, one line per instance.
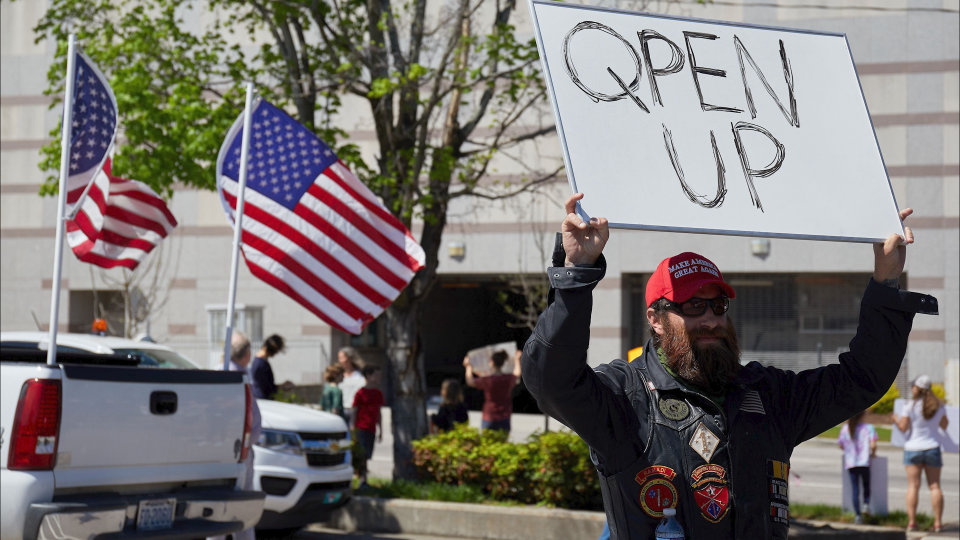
[353, 380]
[332, 398]
[261, 374]
[239, 361]
[859, 443]
[366, 418]
[921, 451]
[452, 410]
[497, 389]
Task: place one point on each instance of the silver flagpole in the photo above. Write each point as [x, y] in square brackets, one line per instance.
[66, 133]
[238, 223]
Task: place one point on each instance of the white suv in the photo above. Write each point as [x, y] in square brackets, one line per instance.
[302, 460]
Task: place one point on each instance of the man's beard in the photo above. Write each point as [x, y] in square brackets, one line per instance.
[710, 366]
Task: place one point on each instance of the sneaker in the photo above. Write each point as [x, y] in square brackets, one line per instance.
[865, 508]
[858, 520]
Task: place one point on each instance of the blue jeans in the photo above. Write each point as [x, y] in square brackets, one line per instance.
[857, 475]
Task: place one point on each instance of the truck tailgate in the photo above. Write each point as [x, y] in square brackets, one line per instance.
[170, 425]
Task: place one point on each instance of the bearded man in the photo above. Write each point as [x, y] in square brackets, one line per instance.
[686, 426]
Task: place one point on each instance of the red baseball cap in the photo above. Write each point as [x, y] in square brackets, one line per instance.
[679, 277]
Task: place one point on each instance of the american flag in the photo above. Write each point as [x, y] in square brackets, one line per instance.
[122, 228]
[311, 229]
[94, 126]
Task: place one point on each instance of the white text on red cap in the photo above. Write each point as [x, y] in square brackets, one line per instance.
[691, 266]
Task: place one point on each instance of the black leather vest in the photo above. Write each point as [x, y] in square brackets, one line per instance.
[725, 480]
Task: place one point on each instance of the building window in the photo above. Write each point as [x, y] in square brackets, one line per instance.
[246, 319]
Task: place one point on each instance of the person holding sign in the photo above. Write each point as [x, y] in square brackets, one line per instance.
[685, 425]
[497, 389]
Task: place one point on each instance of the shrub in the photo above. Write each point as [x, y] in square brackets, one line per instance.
[885, 404]
[562, 473]
[550, 468]
[939, 391]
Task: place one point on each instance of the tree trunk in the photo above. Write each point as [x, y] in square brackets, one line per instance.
[406, 375]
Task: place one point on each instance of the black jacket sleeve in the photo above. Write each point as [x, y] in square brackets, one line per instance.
[556, 373]
[818, 399]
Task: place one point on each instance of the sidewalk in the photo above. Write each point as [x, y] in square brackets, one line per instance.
[474, 521]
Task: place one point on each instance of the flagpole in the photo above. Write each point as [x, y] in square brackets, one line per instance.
[66, 133]
[238, 224]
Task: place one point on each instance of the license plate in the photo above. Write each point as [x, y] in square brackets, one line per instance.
[155, 514]
[331, 498]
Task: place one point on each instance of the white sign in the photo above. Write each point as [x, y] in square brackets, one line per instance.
[702, 126]
[480, 357]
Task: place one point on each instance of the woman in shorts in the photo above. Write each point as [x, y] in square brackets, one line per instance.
[921, 451]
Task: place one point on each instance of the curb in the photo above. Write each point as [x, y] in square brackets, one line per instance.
[465, 520]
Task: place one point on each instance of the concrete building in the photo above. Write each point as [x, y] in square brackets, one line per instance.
[797, 300]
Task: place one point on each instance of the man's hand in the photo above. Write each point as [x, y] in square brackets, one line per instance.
[890, 256]
[583, 242]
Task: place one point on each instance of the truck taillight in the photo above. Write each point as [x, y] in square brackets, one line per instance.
[247, 425]
[36, 427]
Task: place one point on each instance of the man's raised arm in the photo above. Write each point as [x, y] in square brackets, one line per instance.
[554, 359]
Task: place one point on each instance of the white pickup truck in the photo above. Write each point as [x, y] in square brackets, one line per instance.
[302, 460]
[101, 445]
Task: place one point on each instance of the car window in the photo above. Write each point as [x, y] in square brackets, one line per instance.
[160, 358]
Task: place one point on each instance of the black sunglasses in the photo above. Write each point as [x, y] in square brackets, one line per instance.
[695, 307]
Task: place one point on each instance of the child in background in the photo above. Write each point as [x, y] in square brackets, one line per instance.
[452, 410]
[332, 398]
[366, 417]
[859, 443]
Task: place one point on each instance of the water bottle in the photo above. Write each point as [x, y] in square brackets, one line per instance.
[669, 528]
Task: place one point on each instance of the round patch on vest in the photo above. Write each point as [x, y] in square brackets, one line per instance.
[711, 491]
[656, 490]
[674, 409]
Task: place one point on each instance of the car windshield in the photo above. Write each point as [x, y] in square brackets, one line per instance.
[159, 358]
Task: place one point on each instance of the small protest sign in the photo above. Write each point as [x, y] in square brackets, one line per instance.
[480, 357]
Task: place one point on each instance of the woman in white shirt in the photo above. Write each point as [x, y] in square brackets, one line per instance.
[349, 359]
[924, 414]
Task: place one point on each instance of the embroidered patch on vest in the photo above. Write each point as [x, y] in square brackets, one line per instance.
[656, 490]
[711, 491]
[704, 442]
[752, 404]
[674, 409]
[780, 513]
[778, 474]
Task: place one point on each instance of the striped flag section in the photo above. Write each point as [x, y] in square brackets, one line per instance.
[94, 128]
[118, 229]
[311, 229]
